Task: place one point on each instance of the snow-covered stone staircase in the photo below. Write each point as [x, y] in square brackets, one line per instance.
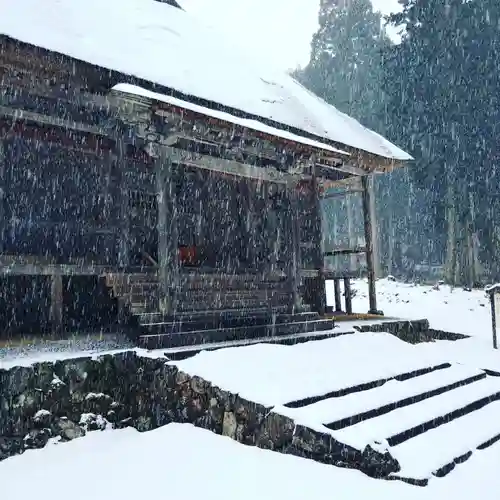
[204, 329]
[213, 307]
[429, 420]
[370, 391]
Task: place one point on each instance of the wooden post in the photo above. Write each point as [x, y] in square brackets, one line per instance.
[350, 229]
[167, 234]
[369, 244]
[494, 293]
[319, 260]
[348, 295]
[123, 195]
[252, 232]
[2, 194]
[267, 250]
[494, 322]
[293, 267]
[56, 303]
[275, 240]
[338, 301]
[373, 218]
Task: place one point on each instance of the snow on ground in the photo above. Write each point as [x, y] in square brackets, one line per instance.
[125, 464]
[448, 309]
[277, 374]
[29, 352]
[451, 310]
[180, 461]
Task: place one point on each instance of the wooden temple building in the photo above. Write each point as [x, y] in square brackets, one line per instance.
[142, 186]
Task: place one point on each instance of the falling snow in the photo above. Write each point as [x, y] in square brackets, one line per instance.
[166, 192]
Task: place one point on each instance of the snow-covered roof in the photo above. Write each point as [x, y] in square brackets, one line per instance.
[169, 47]
[126, 88]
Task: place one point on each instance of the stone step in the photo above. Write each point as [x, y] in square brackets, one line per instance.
[156, 316]
[221, 276]
[236, 282]
[437, 451]
[256, 293]
[363, 387]
[210, 296]
[126, 288]
[229, 303]
[349, 410]
[117, 279]
[356, 404]
[261, 285]
[180, 353]
[410, 421]
[214, 322]
[199, 337]
[151, 303]
[139, 307]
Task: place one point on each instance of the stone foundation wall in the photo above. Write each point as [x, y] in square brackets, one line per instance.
[413, 332]
[65, 399]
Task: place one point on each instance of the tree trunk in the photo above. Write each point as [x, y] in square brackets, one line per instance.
[474, 243]
[451, 241]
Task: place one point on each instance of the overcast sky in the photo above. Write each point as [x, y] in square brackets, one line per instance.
[284, 27]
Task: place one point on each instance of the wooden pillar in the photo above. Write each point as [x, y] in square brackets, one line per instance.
[348, 295]
[338, 300]
[251, 193]
[375, 239]
[273, 258]
[319, 260]
[123, 195]
[56, 302]
[349, 200]
[167, 235]
[294, 257]
[2, 194]
[367, 214]
[268, 240]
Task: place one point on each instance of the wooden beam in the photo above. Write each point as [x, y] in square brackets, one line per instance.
[341, 194]
[329, 274]
[32, 265]
[227, 166]
[372, 296]
[359, 162]
[345, 251]
[230, 129]
[53, 120]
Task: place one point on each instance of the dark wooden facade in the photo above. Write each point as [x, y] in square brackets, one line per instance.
[107, 205]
